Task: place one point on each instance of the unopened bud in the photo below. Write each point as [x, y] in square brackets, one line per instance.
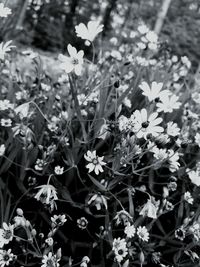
[19, 212]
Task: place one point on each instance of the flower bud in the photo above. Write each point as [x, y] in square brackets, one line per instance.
[19, 212]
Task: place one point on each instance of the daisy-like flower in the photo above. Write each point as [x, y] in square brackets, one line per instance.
[5, 48]
[154, 92]
[129, 230]
[147, 125]
[6, 234]
[168, 104]
[5, 104]
[173, 160]
[160, 154]
[73, 62]
[90, 31]
[173, 129]
[47, 194]
[4, 11]
[95, 162]
[188, 197]
[143, 233]
[150, 209]
[118, 243]
[2, 149]
[50, 260]
[6, 257]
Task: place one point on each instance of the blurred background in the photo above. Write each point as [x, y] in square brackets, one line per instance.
[49, 24]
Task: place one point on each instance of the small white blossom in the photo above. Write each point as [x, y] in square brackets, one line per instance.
[4, 11]
[90, 31]
[143, 233]
[129, 230]
[95, 162]
[73, 62]
[188, 197]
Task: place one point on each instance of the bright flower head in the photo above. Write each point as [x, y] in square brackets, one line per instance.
[153, 92]
[73, 62]
[6, 234]
[4, 11]
[143, 233]
[145, 125]
[168, 103]
[47, 195]
[90, 31]
[95, 162]
[6, 257]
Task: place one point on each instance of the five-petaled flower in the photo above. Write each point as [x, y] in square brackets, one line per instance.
[73, 62]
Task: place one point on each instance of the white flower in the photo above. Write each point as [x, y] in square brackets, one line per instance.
[145, 125]
[59, 170]
[143, 29]
[194, 176]
[82, 223]
[123, 217]
[50, 260]
[118, 243]
[150, 209]
[98, 200]
[5, 104]
[188, 197]
[4, 11]
[90, 31]
[168, 103]
[143, 233]
[6, 122]
[95, 162]
[6, 257]
[58, 220]
[47, 195]
[154, 91]
[197, 139]
[173, 160]
[173, 129]
[160, 154]
[6, 234]
[129, 230]
[2, 149]
[4, 48]
[73, 62]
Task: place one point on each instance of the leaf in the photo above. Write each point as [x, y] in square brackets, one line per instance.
[98, 184]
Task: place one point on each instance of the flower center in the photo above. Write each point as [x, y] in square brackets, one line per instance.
[50, 263]
[95, 161]
[74, 61]
[7, 234]
[120, 251]
[6, 257]
[145, 124]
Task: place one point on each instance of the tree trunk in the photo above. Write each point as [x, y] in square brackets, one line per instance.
[161, 16]
[107, 16]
